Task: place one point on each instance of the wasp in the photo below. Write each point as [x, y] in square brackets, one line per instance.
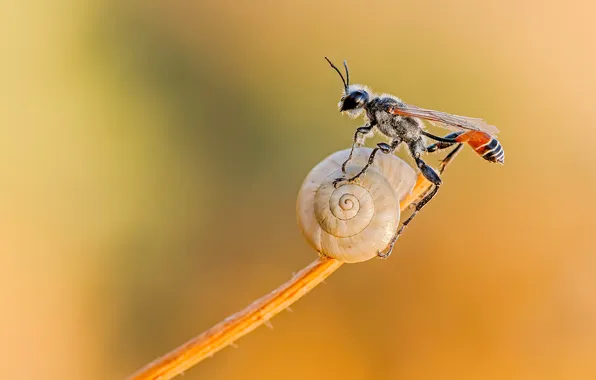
[401, 123]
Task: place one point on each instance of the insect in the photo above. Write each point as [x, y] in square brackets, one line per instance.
[402, 123]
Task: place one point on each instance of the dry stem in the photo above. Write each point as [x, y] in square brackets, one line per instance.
[254, 315]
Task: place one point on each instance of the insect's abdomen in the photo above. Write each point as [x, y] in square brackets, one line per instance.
[484, 144]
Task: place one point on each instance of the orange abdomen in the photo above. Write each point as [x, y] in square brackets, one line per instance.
[484, 144]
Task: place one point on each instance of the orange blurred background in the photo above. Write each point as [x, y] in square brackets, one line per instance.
[151, 152]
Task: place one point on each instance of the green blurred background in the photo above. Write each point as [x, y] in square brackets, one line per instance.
[151, 152]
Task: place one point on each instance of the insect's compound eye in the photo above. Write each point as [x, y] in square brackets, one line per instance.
[355, 99]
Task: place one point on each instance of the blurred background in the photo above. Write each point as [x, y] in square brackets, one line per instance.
[151, 153]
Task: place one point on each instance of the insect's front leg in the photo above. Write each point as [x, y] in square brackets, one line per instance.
[416, 148]
[360, 136]
[383, 147]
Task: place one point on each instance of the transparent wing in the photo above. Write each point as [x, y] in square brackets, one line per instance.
[444, 119]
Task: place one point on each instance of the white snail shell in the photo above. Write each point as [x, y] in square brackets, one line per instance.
[355, 221]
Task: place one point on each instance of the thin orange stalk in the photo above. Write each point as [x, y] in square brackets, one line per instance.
[254, 315]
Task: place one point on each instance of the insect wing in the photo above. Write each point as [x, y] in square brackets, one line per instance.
[444, 119]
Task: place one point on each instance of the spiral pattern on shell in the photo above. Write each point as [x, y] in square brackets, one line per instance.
[354, 221]
[343, 216]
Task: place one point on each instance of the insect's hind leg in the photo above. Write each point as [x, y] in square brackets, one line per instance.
[448, 158]
[444, 143]
[441, 142]
[440, 145]
[444, 163]
[430, 174]
[387, 252]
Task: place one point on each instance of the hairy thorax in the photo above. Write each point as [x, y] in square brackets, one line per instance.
[403, 128]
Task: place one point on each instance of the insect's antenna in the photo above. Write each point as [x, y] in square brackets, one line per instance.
[347, 74]
[339, 72]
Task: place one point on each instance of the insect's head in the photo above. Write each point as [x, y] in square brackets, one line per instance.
[354, 100]
[355, 97]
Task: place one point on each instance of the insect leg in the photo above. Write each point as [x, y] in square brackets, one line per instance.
[448, 158]
[383, 147]
[359, 137]
[443, 165]
[438, 146]
[444, 143]
[431, 175]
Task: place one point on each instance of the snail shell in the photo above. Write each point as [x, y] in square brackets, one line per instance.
[355, 221]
